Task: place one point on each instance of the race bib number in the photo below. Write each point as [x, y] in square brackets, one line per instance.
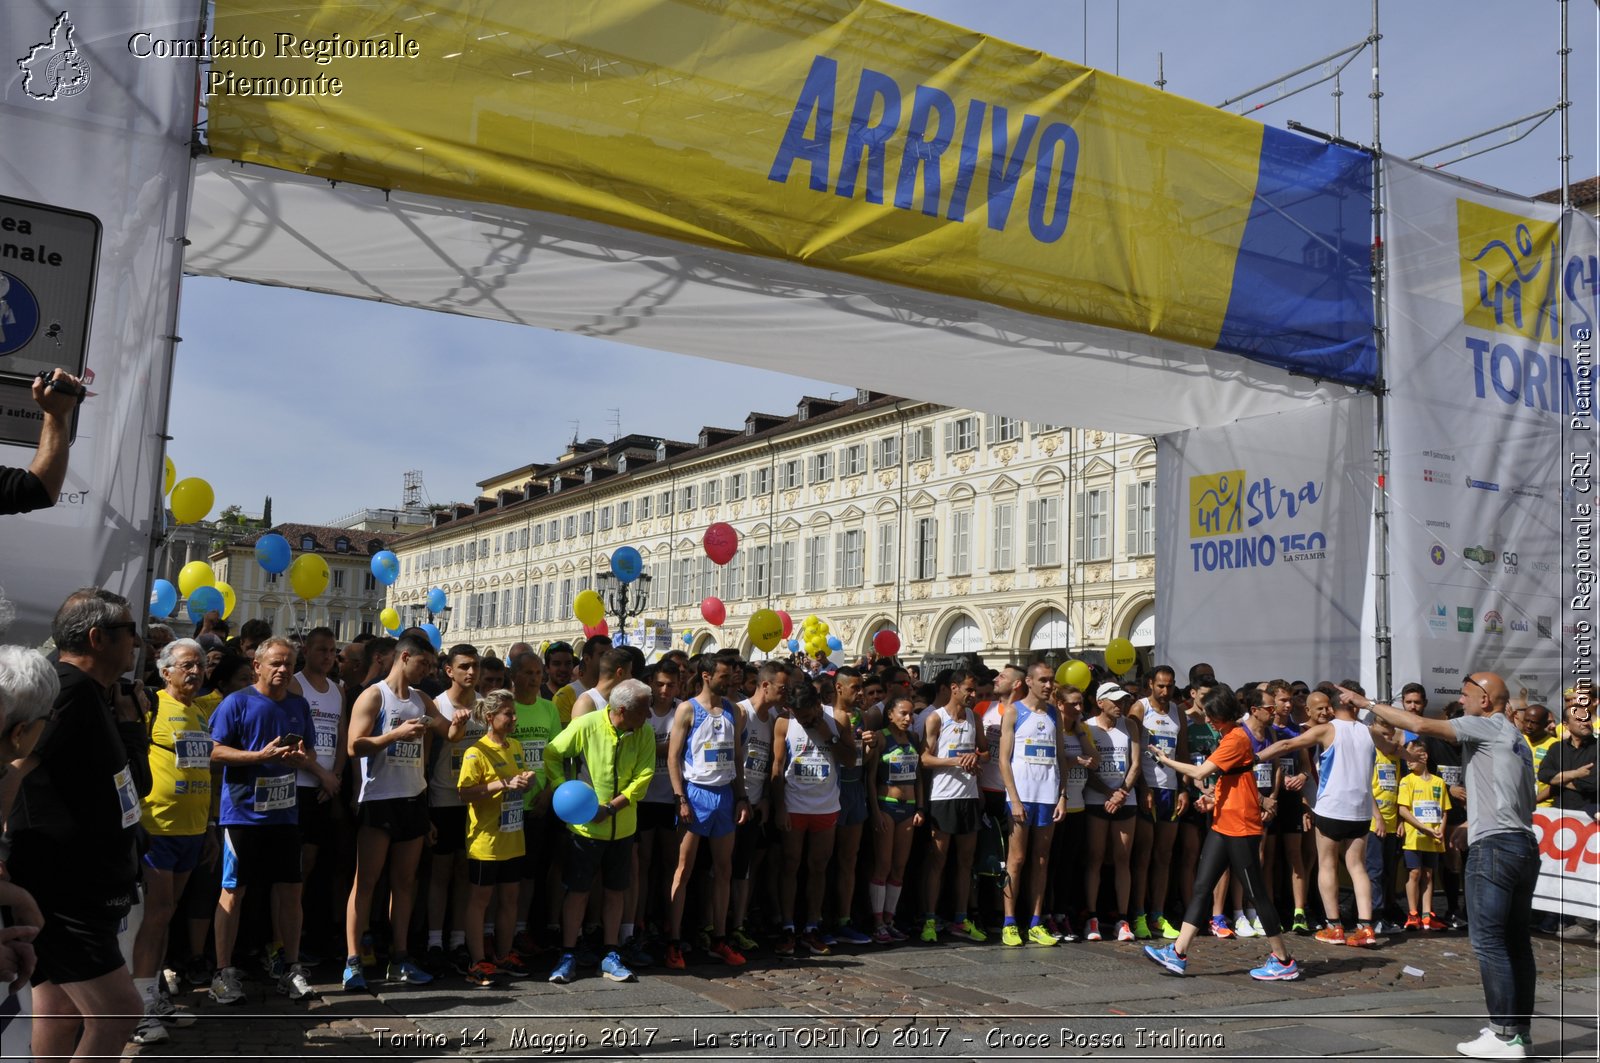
[274, 793]
[510, 816]
[324, 742]
[717, 753]
[757, 760]
[533, 752]
[1119, 760]
[128, 797]
[903, 769]
[962, 749]
[1287, 764]
[1428, 813]
[1451, 774]
[193, 750]
[1038, 754]
[1168, 744]
[1077, 775]
[1263, 776]
[406, 752]
[812, 772]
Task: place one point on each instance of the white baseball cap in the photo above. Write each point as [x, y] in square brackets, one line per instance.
[1110, 692]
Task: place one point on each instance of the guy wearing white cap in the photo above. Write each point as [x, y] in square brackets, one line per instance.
[1111, 804]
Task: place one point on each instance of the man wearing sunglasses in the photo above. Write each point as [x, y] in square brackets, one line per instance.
[1502, 855]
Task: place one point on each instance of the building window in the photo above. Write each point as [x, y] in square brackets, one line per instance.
[888, 556]
[1142, 518]
[272, 577]
[586, 522]
[338, 579]
[535, 599]
[644, 507]
[919, 443]
[341, 545]
[538, 535]
[683, 580]
[1043, 532]
[525, 532]
[664, 504]
[789, 474]
[686, 497]
[961, 434]
[736, 484]
[497, 544]
[483, 548]
[605, 518]
[924, 558]
[1005, 536]
[307, 542]
[550, 601]
[1002, 430]
[625, 513]
[853, 460]
[555, 531]
[708, 578]
[785, 570]
[493, 598]
[370, 583]
[711, 492]
[566, 600]
[850, 549]
[760, 571]
[522, 604]
[1041, 429]
[569, 527]
[733, 578]
[1094, 533]
[763, 482]
[821, 467]
[961, 543]
[816, 563]
[886, 452]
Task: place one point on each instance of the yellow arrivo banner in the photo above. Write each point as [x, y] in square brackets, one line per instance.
[844, 134]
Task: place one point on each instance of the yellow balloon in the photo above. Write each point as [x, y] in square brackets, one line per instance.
[1120, 655]
[588, 608]
[766, 630]
[191, 500]
[170, 478]
[308, 576]
[389, 618]
[1074, 674]
[229, 599]
[193, 576]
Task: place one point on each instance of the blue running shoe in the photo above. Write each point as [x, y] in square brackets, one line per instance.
[1276, 970]
[1167, 956]
[566, 969]
[851, 936]
[613, 968]
[403, 970]
[354, 980]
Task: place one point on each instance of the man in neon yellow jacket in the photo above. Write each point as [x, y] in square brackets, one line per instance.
[619, 751]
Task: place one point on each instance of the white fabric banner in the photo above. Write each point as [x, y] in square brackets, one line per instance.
[91, 128]
[1263, 540]
[1485, 392]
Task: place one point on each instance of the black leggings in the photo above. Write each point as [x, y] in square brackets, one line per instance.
[1220, 853]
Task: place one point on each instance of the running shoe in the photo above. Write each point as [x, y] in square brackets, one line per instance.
[724, 951]
[615, 970]
[512, 965]
[969, 930]
[1141, 928]
[895, 933]
[1332, 934]
[851, 936]
[1167, 956]
[1124, 931]
[170, 1013]
[369, 955]
[295, 985]
[1038, 935]
[1433, 922]
[1490, 1045]
[1064, 932]
[1361, 937]
[403, 970]
[197, 972]
[634, 954]
[1092, 930]
[1414, 921]
[227, 986]
[1255, 924]
[272, 964]
[785, 943]
[1299, 924]
[815, 942]
[675, 960]
[151, 1031]
[1243, 928]
[1220, 927]
[741, 940]
[461, 959]
[881, 935]
[566, 969]
[353, 982]
[1169, 929]
[827, 938]
[1456, 921]
[1276, 970]
[1010, 935]
[930, 932]
[481, 975]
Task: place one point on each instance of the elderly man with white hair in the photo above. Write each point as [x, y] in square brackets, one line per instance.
[28, 690]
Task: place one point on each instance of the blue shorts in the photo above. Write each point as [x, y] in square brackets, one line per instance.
[1163, 805]
[710, 810]
[1418, 860]
[175, 852]
[1037, 814]
[852, 802]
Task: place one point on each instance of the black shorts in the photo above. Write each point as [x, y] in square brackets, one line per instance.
[1097, 809]
[545, 841]
[260, 854]
[612, 858]
[657, 815]
[449, 828]
[956, 816]
[74, 946]
[852, 803]
[495, 872]
[748, 841]
[1342, 830]
[1291, 817]
[403, 819]
[316, 817]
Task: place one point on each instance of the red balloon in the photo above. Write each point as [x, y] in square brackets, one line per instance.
[788, 622]
[721, 543]
[591, 630]
[886, 642]
[714, 611]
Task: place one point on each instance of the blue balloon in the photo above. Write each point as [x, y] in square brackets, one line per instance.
[834, 644]
[436, 600]
[204, 600]
[434, 635]
[688, 638]
[794, 645]
[626, 564]
[575, 802]
[385, 567]
[394, 632]
[163, 599]
[273, 553]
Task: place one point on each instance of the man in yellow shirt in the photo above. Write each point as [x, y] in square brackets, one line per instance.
[1534, 723]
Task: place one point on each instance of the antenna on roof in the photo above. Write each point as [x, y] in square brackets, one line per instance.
[574, 434]
[616, 423]
[411, 494]
[1161, 71]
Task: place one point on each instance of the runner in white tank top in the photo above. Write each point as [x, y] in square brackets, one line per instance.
[1030, 756]
[1162, 802]
[954, 750]
[396, 770]
[807, 753]
[327, 710]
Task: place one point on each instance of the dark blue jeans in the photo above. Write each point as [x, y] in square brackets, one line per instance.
[1501, 872]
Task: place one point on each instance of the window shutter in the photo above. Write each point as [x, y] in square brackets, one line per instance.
[988, 428]
[949, 437]
[1030, 553]
[1080, 522]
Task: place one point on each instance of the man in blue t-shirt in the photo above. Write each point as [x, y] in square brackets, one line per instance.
[258, 737]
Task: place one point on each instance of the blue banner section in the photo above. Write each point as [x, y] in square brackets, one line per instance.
[1302, 284]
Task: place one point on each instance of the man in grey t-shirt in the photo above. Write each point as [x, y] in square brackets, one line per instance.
[1502, 853]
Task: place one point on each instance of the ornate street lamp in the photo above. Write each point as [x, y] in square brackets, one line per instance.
[615, 593]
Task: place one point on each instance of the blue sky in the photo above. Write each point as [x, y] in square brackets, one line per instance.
[323, 402]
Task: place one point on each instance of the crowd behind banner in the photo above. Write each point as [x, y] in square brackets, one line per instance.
[571, 808]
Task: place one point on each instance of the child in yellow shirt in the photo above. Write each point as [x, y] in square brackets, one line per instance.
[1422, 802]
[491, 769]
